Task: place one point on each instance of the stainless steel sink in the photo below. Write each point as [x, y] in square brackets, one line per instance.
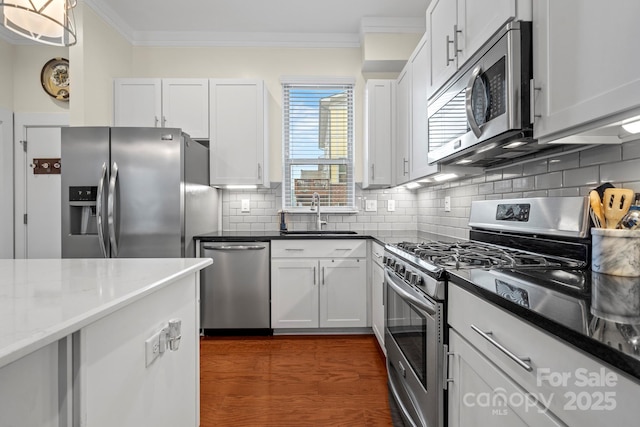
[318, 233]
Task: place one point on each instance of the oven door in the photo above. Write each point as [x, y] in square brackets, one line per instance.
[413, 340]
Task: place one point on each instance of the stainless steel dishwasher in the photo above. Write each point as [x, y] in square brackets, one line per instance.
[235, 289]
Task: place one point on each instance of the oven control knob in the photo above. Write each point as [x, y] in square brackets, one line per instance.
[408, 276]
[390, 262]
[399, 268]
[384, 260]
[417, 280]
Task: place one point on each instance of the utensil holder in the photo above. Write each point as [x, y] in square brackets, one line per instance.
[615, 252]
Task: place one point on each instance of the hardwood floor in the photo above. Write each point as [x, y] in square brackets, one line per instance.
[293, 381]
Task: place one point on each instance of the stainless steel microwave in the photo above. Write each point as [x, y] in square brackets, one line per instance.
[482, 115]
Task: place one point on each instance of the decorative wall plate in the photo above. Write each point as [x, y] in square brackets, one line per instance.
[55, 78]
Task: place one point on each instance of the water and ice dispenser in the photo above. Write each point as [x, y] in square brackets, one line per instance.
[82, 209]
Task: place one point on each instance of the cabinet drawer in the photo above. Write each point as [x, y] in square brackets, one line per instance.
[578, 389]
[333, 248]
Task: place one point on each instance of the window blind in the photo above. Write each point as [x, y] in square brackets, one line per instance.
[318, 146]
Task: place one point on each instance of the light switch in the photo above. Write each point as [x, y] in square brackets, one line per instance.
[391, 205]
[372, 205]
[447, 203]
[245, 206]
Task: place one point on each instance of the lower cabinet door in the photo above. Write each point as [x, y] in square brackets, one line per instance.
[483, 395]
[294, 293]
[343, 292]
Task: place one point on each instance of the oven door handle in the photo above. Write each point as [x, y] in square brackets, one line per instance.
[421, 303]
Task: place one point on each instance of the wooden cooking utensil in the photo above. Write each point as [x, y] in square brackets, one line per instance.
[616, 202]
[596, 209]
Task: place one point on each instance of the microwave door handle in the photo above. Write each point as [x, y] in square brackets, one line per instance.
[99, 196]
[468, 103]
[111, 217]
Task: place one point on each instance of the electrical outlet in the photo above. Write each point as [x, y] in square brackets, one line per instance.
[391, 205]
[152, 348]
[245, 206]
[371, 205]
[447, 203]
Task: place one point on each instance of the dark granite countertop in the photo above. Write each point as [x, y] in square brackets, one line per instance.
[602, 321]
[381, 236]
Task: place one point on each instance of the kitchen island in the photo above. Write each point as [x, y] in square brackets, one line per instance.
[81, 342]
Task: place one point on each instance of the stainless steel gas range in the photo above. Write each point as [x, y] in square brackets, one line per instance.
[516, 245]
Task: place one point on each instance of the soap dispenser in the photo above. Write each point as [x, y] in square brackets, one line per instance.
[283, 224]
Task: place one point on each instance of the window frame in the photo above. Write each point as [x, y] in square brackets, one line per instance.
[349, 161]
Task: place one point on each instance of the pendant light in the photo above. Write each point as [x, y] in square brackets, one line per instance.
[44, 21]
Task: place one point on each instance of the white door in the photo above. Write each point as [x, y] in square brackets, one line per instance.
[43, 196]
[6, 184]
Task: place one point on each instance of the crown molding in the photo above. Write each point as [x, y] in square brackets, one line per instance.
[245, 39]
[112, 19]
[392, 25]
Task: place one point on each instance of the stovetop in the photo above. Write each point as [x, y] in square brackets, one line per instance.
[471, 254]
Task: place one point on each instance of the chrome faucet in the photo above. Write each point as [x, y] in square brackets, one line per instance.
[315, 201]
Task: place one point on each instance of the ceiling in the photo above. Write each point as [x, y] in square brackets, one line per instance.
[258, 22]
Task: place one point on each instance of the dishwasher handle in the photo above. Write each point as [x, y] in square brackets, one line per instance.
[234, 248]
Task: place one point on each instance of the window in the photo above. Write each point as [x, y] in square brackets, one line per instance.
[318, 146]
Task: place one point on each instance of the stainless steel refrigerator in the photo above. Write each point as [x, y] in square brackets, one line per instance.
[134, 193]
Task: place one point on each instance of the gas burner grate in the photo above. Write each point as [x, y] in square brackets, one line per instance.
[462, 255]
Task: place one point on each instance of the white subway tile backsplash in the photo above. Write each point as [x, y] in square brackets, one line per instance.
[601, 154]
[523, 184]
[535, 168]
[631, 150]
[620, 171]
[549, 180]
[582, 177]
[562, 162]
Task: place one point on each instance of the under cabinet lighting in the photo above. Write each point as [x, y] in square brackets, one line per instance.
[241, 187]
[445, 176]
[44, 21]
[412, 185]
[514, 144]
[464, 162]
[632, 127]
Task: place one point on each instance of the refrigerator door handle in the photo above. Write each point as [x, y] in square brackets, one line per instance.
[111, 219]
[103, 246]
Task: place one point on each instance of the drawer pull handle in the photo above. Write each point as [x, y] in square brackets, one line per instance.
[518, 360]
[294, 249]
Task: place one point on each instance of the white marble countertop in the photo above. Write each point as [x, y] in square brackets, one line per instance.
[42, 301]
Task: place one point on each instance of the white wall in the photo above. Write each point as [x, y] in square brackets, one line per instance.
[6, 75]
[28, 95]
[6, 183]
[269, 64]
[100, 55]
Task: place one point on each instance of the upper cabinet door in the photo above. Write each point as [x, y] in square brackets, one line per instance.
[137, 102]
[403, 113]
[419, 165]
[185, 105]
[238, 144]
[380, 139]
[585, 63]
[478, 21]
[441, 24]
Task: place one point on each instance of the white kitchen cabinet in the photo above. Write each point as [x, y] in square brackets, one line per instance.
[318, 284]
[118, 387]
[379, 149]
[137, 102]
[457, 29]
[582, 75]
[377, 293]
[239, 147]
[403, 120]
[419, 138]
[171, 103]
[294, 293]
[489, 386]
[482, 395]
